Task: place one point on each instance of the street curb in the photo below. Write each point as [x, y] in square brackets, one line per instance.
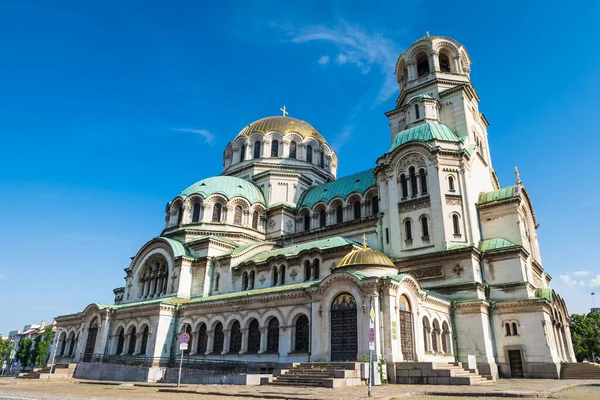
[251, 395]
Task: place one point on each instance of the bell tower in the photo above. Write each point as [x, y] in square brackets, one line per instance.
[435, 86]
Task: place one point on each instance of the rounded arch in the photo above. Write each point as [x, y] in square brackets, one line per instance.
[199, 321]
[296, 313]
[215, 320]
[272, 313]
[231, 319]
[250, 316]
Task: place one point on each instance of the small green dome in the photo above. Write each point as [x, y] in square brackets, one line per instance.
[228, 186]
[424, 133]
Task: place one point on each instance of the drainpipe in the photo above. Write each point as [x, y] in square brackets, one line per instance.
[174, 338]
[309, 322]
[454, 330]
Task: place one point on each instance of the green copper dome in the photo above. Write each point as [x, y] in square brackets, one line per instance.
[228, 186]
[426, 132]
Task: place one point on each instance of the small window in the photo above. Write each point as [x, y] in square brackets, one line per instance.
[275, 148]
[306, 222]
[456, 224]
[417, 114]
[357, 209]
[322, 159]
[507, 325]
[422, 64]
[423, 179]
[322, 219]
[413, 181]
[282, 275]
[257, 149]
[315, 274]
[216, 284]
[451, 184]
[255, 220]
[375, 205]
[307, 271]
[179, 215]
[242, 152]
[275, 277]
[514, 329]
[216, 217]
[196, 213]
[404, 184]
[408, 230]
[387, 235]
[339, 214]
[251, 280]
[245, 281]
[309, 153]
[237, 215]
[444, 63]
[424, 226]
[293, 150]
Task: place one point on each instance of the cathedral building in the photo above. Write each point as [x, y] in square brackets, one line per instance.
[277, 259]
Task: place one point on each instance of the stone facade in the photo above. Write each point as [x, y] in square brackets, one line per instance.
[249, 262]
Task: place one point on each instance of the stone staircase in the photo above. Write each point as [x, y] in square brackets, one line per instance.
[63, 371]
[583, 370]
[430, 373]
[329, 375]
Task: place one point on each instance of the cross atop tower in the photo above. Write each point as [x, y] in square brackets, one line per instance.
[364, 241]
[283, 110]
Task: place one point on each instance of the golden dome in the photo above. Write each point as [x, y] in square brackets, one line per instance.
[283, 125]
[365, 256]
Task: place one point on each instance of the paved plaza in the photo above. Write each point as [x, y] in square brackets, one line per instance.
[12, 389]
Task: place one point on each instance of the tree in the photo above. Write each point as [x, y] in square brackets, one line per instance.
[4, 349]
[585, 332]
[24, 352]
[43, 346]
[35, 350]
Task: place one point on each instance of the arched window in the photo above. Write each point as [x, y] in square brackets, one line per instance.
[309, 153]
[275, 277]
[306, 222]
[404, 185]
[302, 334]
[253, 337]
[132, 340]
[179, 215]
[444, 63]
[426, 331]
[245, 281]
[235, 342]
[451, 183]
[251, 283]
[293, 150]
[456, 224]
[216, 284]
[435, 335]
[424, 227]
[407, 230]
[422, 64]
[507, 325]
[514, 329]
[322, 219]
[121, 341]
[445, 338]
[339, 214]
[375, 205]
[417, 114]
[307, 270]
[202, 339]
[196, 213]
[154, 277]
[282, 275]
[275, 148]
[216, 217]
[321, 158]
[257, 149]
[357, 209]
[413, 181]
[242, 152]
[255, 220]
[237, 215]
[145, 334]
[219, 338]
[315, 273]
[423, 179]
[273, 336]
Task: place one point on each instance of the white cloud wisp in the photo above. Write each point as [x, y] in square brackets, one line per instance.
[209, 138]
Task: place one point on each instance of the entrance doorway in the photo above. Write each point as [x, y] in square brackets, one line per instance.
[516, 363]
[344, 338]
[91, 341]
[406, 330]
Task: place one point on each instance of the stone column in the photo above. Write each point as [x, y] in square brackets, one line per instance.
[435, 61]
[138, 343]
[263, 340]
[195, 340]
[244, 347]
[226, 334]
[210, 342]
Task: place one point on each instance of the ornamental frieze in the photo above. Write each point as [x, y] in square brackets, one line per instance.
[412, 205]
[427, 273]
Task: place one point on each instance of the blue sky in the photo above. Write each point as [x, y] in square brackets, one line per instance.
[108, 110]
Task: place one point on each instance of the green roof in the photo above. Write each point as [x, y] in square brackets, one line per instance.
[497, 195]
[228, 186]
[544, 293]
[255, 292]
[426, 132]
[359, 183]
[420, 96]
[179, 249]
[496, 244]
[291, 251]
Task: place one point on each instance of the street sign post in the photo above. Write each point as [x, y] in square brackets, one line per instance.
[371, 344]
[184, 339]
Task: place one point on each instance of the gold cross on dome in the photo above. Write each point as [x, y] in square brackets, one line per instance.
[285, 113]
[364, 241]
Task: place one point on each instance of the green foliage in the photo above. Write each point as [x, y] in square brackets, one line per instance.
[24, 352]
[585, 332]
[4, 349]
[43, 347]
[35, 350]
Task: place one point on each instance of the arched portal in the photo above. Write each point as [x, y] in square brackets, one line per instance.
[90, 344]
[344, 340]
[406, 330]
